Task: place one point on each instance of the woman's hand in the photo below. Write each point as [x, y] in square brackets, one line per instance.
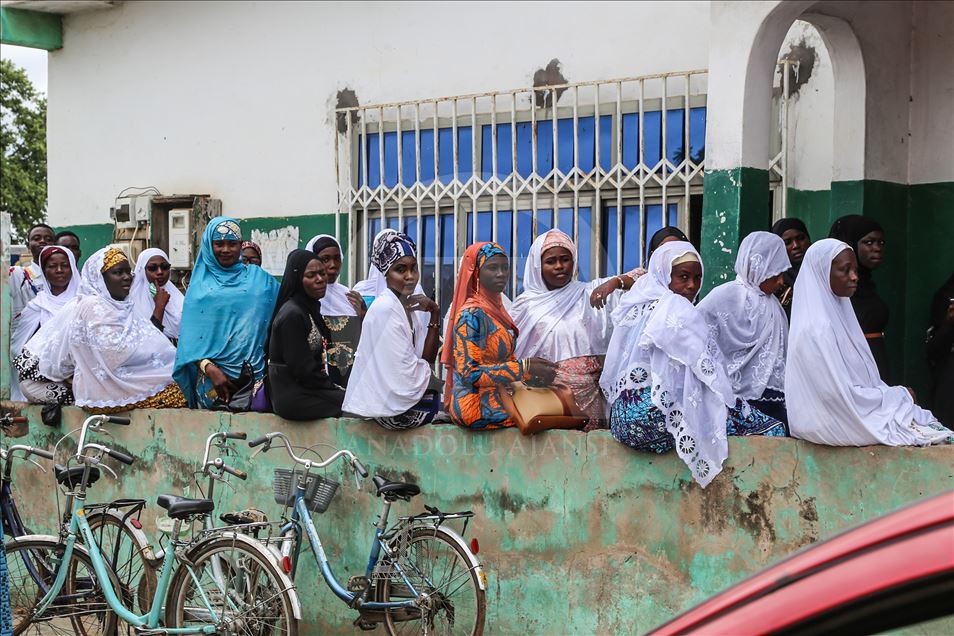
[223, 386]
[358, 303]
[541, 371]
[420, 302]
[600, 295]
[161, 300]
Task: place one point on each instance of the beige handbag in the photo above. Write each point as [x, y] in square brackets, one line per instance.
[540, 409]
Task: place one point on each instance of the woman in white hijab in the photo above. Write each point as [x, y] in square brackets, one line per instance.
[562, 319]
[749, 324]
[117, 360]
[391, 380]
[664, 376]
[154, 297]
[62, 278]
[832, 385]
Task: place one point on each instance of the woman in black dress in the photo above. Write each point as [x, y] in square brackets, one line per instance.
[298, 382]
[797, 242]
[866, 238]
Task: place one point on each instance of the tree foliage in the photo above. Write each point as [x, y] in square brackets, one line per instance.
[22, 149]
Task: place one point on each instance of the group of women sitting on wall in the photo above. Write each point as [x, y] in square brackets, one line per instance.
[636, 352]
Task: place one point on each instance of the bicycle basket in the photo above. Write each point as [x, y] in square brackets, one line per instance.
[318, 491]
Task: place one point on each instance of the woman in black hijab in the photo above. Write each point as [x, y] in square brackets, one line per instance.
[795, 235]
[940, 346]
[298, 382]
[665, 235]
[866, 238]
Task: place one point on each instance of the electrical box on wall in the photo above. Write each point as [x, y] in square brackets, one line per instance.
[180, 237]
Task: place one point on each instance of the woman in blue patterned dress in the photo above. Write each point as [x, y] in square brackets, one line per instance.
[664, 376]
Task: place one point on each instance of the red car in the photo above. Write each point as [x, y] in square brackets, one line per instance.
[894, 571]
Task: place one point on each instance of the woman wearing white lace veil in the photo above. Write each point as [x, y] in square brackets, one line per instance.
[749, 324]
[834, 391]
[63, 280]
[567, 321]
[117, 360]
[664, 376]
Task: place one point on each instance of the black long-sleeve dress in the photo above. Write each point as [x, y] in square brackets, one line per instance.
[298, 383]
[940, 350]
[872, 313]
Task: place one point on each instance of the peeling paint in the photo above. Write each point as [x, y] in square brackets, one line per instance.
[549, 75]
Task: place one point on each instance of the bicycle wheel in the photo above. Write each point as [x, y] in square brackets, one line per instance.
[244, 589]
[122, 551]
[439, 569]
[79, 609]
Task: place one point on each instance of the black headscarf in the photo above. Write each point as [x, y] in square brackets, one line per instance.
[292, 290]
[851, 229]
[324, 243]
[784, 225]
[662, 235]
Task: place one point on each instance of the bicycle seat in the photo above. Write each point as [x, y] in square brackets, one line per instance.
[394, 489]
[73, 476]
[181, 507]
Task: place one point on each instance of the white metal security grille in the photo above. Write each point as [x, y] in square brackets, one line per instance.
[609, 163]
[779, 138]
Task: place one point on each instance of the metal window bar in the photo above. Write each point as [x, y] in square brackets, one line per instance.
[779, 160]
[584, 121]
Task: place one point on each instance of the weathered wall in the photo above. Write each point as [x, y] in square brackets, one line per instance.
[240, 101]
[578, 533]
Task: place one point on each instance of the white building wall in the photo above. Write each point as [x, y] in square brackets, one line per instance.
[810, 110]
[237, 99]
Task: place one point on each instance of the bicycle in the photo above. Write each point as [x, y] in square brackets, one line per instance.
[421, 575]
[251, 594]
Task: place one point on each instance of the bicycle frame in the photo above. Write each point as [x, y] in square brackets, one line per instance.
[302, 517]
[80, 527]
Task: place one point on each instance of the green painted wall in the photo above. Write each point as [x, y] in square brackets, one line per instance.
[34, 29]
[735, 203]
[92, 237]
[578, 533]
[814, 208]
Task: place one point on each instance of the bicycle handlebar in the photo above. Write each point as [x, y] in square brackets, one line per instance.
[115, 419]
[308, 463]
[120, 456]
[236, 435]
[221, 465]
[12, 419]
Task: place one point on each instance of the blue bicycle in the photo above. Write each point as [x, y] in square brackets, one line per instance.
[216, 582]
[421, 577]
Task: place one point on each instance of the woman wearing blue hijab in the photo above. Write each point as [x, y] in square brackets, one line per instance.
[225, 318]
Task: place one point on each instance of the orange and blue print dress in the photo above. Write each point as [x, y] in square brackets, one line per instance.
[484, 365]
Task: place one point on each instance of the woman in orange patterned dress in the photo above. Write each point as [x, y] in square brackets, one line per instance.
[478, 349]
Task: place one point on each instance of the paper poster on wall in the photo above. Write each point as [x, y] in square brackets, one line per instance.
[276, 245]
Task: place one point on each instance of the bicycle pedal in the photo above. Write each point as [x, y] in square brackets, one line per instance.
[365, 626]
[358, 583]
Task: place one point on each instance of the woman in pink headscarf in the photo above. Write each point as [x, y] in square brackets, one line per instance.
[567, 321]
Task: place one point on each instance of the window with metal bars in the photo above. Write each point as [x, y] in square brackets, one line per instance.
[420, 167]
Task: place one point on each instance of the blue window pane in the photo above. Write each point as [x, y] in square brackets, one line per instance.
[606, 141]
[374, 161]
[524, 149]
[566, 221]
[484, 227]
[448, 264]
[505, 230]
[652, 131]
[584, 246]
[697, 134]
[565, 144]
[445, 147]
[675, 135]
[409, 164]
[544, 147]
[631, 140]
[427, 157]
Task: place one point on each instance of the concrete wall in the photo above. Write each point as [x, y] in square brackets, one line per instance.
[237, 98]
[578, 533]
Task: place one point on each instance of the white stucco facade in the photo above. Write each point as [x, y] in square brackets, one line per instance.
[237, 99]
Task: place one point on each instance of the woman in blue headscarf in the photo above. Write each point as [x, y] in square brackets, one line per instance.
[225, 318]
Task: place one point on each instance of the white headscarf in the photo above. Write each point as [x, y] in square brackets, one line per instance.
[833, 391]
[45, 305]
[115, 357]
[335, 302]
[559, 324]
[661, 340]
[749, 325]
[144, 302]
[389, 375]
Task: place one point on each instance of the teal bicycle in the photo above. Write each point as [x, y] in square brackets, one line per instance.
[216, 582]
[421, 577]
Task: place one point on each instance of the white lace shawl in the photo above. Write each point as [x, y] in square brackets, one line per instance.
[145, 303]
[833, 390]
[559, 324]
[115, 357]
[749, 325]
[660, 340]
[45, 305]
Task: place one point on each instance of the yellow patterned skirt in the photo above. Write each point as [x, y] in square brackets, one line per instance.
[170, 397]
